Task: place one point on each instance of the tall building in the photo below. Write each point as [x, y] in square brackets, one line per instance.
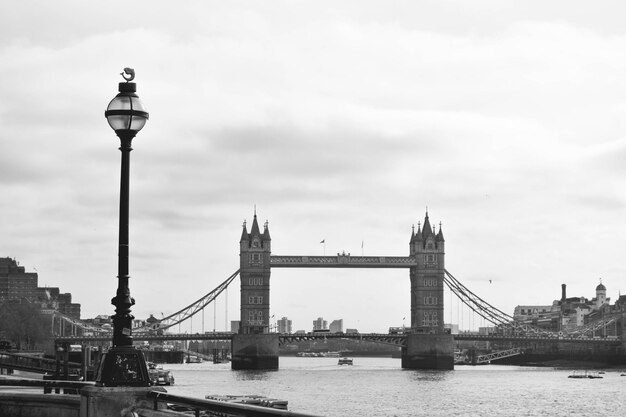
[284, 325]
[336, 326]
[320, 324]
[17, 284]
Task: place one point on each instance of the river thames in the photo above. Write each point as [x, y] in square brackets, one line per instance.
[379, 387]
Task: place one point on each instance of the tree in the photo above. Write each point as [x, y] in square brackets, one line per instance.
[22, 323]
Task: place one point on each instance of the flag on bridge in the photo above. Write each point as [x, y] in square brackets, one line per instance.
[323, 241]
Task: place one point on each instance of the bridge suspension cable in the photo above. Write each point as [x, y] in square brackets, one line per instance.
[485, 310]
[190, 310]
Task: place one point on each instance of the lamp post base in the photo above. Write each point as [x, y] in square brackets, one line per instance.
[123, 367]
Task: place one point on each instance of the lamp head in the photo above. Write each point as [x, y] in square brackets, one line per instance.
[126, 113]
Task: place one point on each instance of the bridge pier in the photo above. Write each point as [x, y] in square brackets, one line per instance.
[254, 351]
[428, 351]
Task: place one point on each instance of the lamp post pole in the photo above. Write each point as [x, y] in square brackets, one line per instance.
[123, 365]
[122, 320]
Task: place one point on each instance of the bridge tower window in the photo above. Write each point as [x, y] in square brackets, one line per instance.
[255, 318]
[430, 300]
[255, 259]
[430, 319]
[255, 299]
[255, 281]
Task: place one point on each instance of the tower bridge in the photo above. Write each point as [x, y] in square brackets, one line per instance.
[425, 344]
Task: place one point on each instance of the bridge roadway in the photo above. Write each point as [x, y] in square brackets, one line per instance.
[391, 339]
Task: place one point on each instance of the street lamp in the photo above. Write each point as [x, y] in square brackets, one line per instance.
[123, 365]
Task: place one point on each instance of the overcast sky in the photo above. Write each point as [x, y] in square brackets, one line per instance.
[341, 121]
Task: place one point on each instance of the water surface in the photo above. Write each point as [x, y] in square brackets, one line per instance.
[379, 387]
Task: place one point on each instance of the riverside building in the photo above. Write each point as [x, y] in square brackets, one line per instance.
[17, 284]
[568, 313]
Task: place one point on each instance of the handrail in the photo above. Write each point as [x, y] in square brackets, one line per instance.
[45, 383]
[31, 363]
[243, 410]
[48, 385]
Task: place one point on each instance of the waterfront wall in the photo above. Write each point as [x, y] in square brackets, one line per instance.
[563, 356]
[162, 356]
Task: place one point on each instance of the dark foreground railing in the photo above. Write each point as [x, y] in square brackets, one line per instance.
[48, 385]
[164, 405]
[32, 363]
[212, 407]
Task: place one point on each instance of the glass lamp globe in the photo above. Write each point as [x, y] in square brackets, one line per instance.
[126, 112]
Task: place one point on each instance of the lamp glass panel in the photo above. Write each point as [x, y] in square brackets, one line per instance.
[120, 103]
[118, 122]
[137, 123]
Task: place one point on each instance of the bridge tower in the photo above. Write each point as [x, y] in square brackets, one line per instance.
[254, 263]
[427, 247]
[429, 347]
[254, 347]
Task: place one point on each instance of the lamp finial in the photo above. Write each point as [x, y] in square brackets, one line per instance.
[130, 72]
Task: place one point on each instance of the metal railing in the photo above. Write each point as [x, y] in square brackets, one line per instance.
[49, 385]
[164, 404]
[31, 363]
[211, 407]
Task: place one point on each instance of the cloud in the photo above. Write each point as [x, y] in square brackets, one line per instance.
[341, 122]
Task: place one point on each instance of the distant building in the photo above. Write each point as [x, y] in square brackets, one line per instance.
[352, 331]
[320, 324]
[485, 331]
[568, 313]
[336, 326]
[17, 284]
[284, 325]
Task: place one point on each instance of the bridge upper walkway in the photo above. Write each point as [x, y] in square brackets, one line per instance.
[342, 260]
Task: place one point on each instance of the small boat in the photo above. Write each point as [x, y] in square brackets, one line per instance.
[585, 375]
[159, 376]
[257, 400]
[345, 361]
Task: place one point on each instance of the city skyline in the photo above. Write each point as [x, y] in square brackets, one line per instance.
[340, 124]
